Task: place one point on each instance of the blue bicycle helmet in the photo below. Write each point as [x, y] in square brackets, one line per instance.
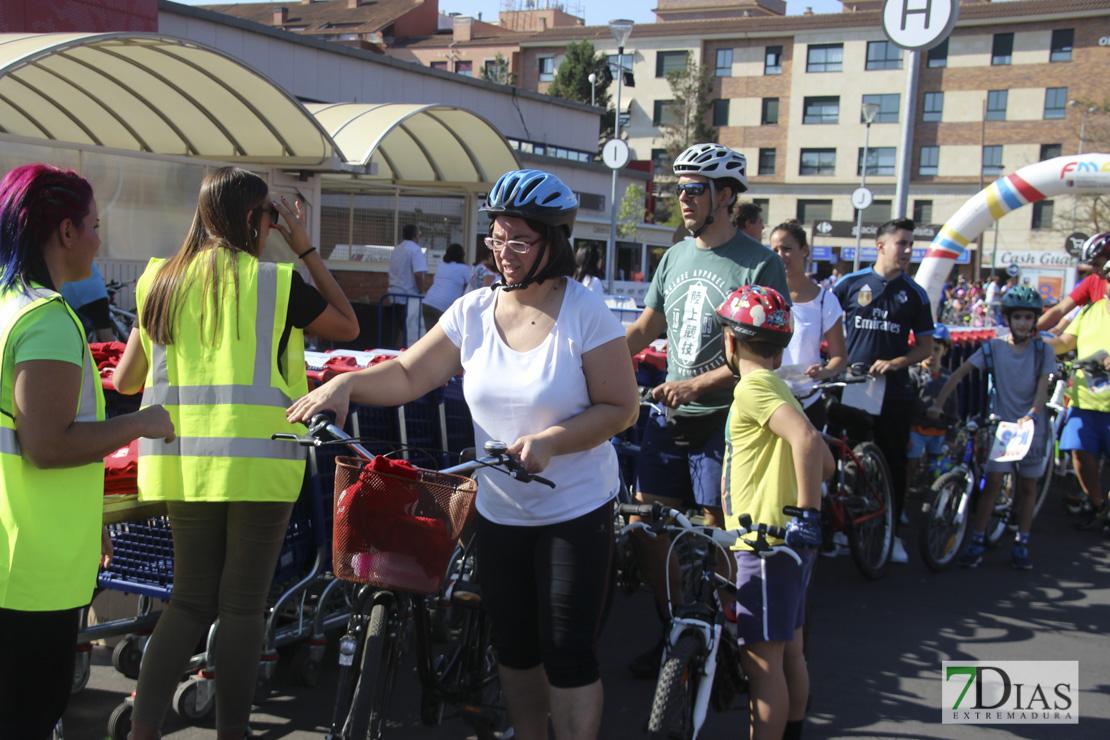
[941, 334]
[535, 195]
[1022, 297]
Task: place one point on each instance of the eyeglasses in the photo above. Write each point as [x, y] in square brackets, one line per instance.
[692, 189]
[496, 245]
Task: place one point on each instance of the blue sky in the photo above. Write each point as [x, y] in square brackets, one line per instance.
[597, 12]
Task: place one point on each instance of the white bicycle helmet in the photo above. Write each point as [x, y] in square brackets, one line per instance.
[1096, 246]
[713, 161]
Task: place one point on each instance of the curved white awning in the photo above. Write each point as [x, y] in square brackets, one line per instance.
[151, 93]
[418, 143]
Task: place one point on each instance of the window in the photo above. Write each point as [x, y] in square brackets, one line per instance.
[996, 105]
[464, 68]
[1062, 40]
[880, 160]
[767, 161]
[933, 109]
[661, 161]
[764, 205]
[825, 57]
[876, 213]
[547, 69]
[1051, 151]
[772, 61]
[614, 62]
[814, 210]
[923, 211]
[439, 65]
[669, 61]
[992, 160]
[888, 107]
[663, 115]
[770, 113]
[1056, 102]
[818, 162]
[1042, 214]
[883, 55]
[938, 55]
[1002, 50]
[724, 62]
[720, 112]
[821, 110]
[929, 162]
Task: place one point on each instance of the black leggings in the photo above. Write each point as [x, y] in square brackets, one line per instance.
[544, 589]
[37, 652]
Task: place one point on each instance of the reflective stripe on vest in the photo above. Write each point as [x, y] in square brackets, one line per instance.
[49, 519]
[239, 452]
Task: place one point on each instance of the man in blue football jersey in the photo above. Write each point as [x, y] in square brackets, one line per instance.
[882, 305]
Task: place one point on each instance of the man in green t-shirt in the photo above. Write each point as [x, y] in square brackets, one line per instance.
[681, 453]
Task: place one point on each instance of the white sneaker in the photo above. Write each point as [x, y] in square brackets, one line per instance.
[840, 539]
[904, 519]
[898, 552]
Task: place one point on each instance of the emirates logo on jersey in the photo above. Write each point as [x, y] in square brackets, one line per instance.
[863, 298]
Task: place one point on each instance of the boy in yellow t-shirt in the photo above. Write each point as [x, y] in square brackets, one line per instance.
[773, 458]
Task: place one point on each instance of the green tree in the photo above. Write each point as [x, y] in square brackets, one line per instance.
[691, 96]
[631, 213]
[572, 82]
[498, 71]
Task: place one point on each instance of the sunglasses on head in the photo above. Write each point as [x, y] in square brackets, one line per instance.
[693, 189]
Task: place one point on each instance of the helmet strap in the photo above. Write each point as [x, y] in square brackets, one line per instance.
[530, 277]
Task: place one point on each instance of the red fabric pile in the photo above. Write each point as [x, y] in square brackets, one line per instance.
[121, 470]
[382, 512]
[107, 355]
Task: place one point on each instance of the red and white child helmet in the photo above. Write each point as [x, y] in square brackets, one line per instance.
[756, 313]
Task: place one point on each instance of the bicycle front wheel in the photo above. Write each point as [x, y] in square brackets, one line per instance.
[1003, 509]
[870, 512]
[1050, 466]
[941, 532]
[380, 657]
[672, 710]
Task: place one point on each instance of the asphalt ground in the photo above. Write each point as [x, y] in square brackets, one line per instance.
[875, 654]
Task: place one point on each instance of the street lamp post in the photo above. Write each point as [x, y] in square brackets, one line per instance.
[1082, 137]
[869, 111]
[593, 88]
[621, 29]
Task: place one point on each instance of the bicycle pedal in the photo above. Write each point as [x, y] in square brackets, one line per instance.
[465, 594]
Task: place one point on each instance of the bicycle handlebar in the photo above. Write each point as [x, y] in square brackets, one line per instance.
[857, 372]
[667, 519]
[498, 458]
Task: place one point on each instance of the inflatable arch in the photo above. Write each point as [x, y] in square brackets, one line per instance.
[1075, 175]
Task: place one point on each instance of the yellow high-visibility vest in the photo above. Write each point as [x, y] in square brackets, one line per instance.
[50, 520]
[226, 397]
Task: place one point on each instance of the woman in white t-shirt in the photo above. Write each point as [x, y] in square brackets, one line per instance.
[587, 270]
[818, 318]
[547, 371]
[451, 280]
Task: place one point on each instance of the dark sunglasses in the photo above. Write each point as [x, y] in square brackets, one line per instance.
[692, 189]
[272, 210]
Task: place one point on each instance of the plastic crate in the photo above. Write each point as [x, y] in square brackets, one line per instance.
[422, 430]
[298, 549]
[458, 427]
[379, 423]
[143, 560]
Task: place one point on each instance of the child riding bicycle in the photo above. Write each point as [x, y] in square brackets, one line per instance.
[1018, 394]
[770, 447]
[927, 378]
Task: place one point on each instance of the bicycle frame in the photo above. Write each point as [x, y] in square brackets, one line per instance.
[835, 503]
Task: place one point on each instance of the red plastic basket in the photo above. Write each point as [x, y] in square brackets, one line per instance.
[396, 532]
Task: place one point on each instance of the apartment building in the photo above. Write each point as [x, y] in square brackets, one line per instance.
[994, 97]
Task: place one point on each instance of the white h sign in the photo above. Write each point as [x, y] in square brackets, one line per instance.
[919, 24]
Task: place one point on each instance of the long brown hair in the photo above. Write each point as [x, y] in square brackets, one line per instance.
[227, 195]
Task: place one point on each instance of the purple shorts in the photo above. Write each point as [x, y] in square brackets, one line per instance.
[771, 595]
